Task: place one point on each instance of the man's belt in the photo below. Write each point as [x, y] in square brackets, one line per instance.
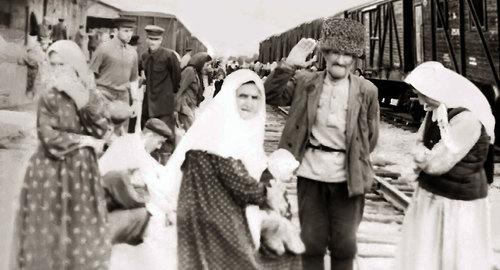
[324, 148]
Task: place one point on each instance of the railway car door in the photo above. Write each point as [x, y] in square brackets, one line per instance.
[371, 19]
[418, 34]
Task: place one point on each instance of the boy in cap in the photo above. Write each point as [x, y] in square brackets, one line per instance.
[115, 64]
[163, 75]
[134, 182]
[331, 129]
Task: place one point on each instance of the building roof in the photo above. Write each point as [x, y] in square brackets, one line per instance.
[101, 9]
[147, 14]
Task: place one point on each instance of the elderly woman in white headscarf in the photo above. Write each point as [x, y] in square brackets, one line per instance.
[222, 157]
[62, 220]
[447, 225]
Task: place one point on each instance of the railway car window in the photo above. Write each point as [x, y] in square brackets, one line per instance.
[5, 15]
[5, 19]
[442, 6]
[480, 7]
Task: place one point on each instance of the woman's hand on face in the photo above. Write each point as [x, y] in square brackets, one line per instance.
[73, 88]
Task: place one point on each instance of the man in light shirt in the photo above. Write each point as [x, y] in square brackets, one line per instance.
[331, 129]
[115, 64]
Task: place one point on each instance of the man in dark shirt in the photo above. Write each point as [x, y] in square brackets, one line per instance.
[163, 75]
[59, 32]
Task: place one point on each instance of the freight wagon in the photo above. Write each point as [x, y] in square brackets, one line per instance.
[176, 36]
[400, 34]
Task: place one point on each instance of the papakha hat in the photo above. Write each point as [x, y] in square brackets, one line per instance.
[343, 36]
[159, 127]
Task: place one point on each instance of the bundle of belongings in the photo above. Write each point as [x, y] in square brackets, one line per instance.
[273, 227]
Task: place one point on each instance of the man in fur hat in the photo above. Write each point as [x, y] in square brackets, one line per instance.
[331, 129]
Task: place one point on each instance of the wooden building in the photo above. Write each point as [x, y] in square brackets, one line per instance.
[100, 14]
[15, 15]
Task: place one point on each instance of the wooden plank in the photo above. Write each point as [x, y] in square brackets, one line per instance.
[392, 194]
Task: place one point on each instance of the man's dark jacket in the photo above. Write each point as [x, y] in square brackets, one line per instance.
[301, 91]
[163, 75]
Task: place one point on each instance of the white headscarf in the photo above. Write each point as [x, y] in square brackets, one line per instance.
[452, 90]
[220, 130]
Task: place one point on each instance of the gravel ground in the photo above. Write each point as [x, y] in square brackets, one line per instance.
[394, 148]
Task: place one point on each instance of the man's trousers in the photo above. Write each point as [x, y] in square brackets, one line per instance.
[329, 219]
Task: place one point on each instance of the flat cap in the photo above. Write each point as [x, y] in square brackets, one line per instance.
[159, 127]
[342, 36]
[124, 22]
[154, 31]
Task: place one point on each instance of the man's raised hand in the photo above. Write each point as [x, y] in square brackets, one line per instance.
[300, 52]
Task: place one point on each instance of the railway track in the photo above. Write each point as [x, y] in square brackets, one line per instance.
[379, 230]
[398, 119]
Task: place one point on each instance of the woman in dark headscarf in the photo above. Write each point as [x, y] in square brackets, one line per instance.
[191, 89]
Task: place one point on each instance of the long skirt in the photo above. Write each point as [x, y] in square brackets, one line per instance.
[445, 234]
[62, 220]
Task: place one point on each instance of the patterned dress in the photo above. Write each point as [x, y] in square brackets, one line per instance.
[212, 229]
[62, 222]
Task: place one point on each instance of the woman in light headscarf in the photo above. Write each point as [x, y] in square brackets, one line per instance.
[191, 89]
[219, 162]
[62, 220]
[447, 225]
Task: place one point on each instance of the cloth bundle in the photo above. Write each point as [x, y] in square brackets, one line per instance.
[277, 232]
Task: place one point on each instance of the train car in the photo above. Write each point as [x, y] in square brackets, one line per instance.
[400, 34]
[176, 36]
[405, 33]
[278, 46]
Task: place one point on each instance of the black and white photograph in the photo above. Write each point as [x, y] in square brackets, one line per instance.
[249, 135]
